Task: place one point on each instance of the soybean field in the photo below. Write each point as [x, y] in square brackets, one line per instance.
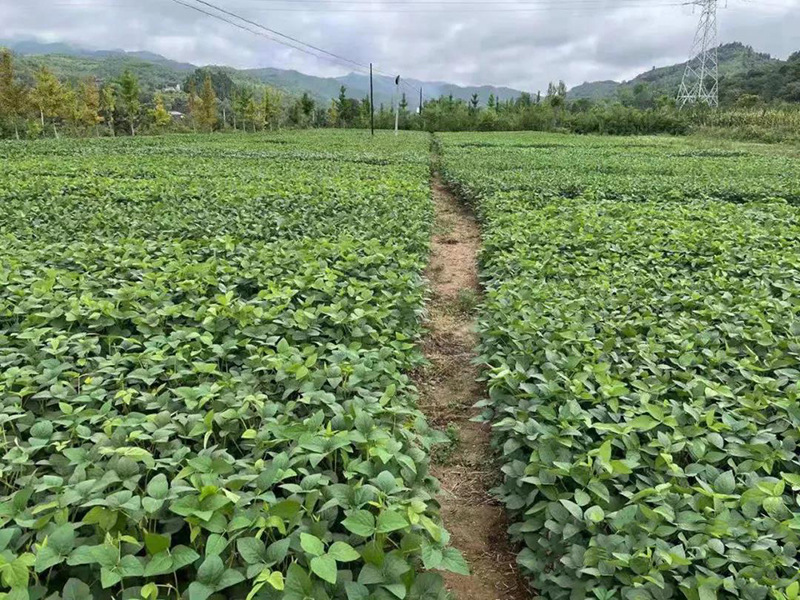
[204, 347]
[212, 349]
[640, 338]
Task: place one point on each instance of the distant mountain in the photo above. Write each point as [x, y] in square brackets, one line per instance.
[357, 84]
[34, 48]
[777, 80]
[734, 58]
[157, 72]
[594, 90]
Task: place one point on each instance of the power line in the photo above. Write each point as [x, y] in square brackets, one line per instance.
[292, 41]
[363, 67]
[521, 4]
[244, 28]
[283, 35]
[435, 3]
[762, 5]
[440, 9]
[476, 7]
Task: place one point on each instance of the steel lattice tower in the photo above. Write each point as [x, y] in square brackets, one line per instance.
[700, 83]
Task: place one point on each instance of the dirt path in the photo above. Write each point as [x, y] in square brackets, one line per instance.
[448, 389]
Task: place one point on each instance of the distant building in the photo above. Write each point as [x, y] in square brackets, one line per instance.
[172, 88]
[176, 115]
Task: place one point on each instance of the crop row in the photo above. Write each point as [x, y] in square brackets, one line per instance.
[643, 361]
[552, 167]
[203, 355]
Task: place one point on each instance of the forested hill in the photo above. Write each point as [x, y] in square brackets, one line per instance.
[157, 72]
[742, 71]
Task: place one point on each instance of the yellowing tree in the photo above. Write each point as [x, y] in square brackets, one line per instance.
[193, 104]
[160, 115]
[333, 113]
[13, 95]
[50, 97]
[208, 108]
[88, 111]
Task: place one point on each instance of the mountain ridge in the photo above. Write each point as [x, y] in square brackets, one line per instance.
[74, 62]
[734, 58]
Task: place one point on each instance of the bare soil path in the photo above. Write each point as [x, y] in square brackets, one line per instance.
[466, 469]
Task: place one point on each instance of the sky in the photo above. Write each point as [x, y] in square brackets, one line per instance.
[522, 44]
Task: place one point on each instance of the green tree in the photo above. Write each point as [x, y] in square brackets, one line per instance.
[473, 104]
[241, 100]
[403, 106]
[130, 102]
[13, 95]
[348, 109]
[208, 107]
[159, 113]
[250, 111]
[366, 112]
[271, 104]
[341, 107]
[557, 94]
[50, 97]
[307, 105]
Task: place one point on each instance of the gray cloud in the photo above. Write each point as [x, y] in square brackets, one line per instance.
[576, 40]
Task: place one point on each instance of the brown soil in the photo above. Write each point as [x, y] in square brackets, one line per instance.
[449, 390]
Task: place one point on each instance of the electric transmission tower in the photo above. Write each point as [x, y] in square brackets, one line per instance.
[700, 83]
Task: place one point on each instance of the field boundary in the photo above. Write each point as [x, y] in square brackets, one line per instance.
[449, 389]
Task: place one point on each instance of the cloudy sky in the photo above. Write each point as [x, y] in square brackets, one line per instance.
[522, 44]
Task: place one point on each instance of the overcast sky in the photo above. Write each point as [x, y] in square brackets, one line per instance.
[522, 44]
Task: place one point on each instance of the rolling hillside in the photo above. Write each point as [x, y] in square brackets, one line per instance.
[734, 58]
[157, 72]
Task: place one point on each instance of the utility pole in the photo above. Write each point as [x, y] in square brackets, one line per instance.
[397, 105]
[700, 84]
[371, 102]
[420, 101]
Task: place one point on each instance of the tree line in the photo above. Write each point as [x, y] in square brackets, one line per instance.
[48, 106]
[209, 100]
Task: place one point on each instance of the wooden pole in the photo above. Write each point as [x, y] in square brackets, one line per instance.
[371, 102]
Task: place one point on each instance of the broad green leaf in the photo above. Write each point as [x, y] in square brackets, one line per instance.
[360, 522]
[595, 514]
[312, 544]
[75, 589]
[343, 552]
[452, 560]
[573, 509]
[156, 543]
[389, 521]
[324, 567]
